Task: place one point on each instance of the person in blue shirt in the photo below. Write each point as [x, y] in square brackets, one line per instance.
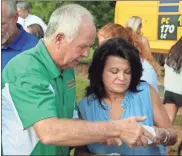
[115, 92]
[14, 39]
[151, 70]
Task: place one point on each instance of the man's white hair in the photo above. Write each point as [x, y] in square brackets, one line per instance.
[24, 5]
[134, 22]
[67, 20]
[11, 5]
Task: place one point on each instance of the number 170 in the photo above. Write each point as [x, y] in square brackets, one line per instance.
[167, 28]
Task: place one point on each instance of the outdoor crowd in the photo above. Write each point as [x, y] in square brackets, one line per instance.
[121, 113]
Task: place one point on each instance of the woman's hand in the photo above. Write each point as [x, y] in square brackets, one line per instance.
[165, 136]
[161, 134]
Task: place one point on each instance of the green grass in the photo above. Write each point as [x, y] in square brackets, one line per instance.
[81, 83]
[72, 152]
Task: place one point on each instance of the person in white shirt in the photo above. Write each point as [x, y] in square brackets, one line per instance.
[173, 81]
[25, 18]
[135, 22]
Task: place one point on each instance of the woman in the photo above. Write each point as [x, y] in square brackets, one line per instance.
[151, 69]
[135, 23]
[115, 92]
[173, 81]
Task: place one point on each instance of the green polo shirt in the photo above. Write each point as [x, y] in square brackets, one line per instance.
[34, 89]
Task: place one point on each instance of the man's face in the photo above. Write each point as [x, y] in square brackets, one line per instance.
[22, 13]
[8, 24]
[71, 53]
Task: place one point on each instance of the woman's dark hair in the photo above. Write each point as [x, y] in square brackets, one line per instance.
[114, 47]
[36, 30]
[174, 59]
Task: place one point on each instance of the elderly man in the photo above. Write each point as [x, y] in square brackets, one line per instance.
[25, 18]
[39, 93]
[14, 39]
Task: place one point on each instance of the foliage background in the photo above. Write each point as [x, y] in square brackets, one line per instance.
[103, 11]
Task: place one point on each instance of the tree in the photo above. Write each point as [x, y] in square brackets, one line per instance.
[103, 11]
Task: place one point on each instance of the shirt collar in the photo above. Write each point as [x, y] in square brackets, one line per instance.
[18, 43]
[47, 60]
[27, 17]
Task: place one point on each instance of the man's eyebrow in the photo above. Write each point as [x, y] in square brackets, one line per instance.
[85, 45]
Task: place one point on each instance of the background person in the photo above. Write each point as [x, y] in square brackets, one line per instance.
[135, 23]
[14, 39]
[173, 81]
[36, 30]
[38, 95]
[25, 17]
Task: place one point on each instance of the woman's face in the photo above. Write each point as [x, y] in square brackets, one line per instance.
[101, 40]
[139, 32]
[116, 75]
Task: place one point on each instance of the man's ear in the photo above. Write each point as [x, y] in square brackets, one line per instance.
[16, 17]
[59, 38]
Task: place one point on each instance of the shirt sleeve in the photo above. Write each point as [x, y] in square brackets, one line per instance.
[33, 98]
[84, 112]
[150, 77]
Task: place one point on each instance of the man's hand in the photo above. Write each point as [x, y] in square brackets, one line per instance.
[112, 142]
[133, 133]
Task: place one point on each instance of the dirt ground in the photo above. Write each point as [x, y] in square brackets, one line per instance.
[172, 150]
[82, 70]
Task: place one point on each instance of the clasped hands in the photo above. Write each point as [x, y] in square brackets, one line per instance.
[135, 135]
